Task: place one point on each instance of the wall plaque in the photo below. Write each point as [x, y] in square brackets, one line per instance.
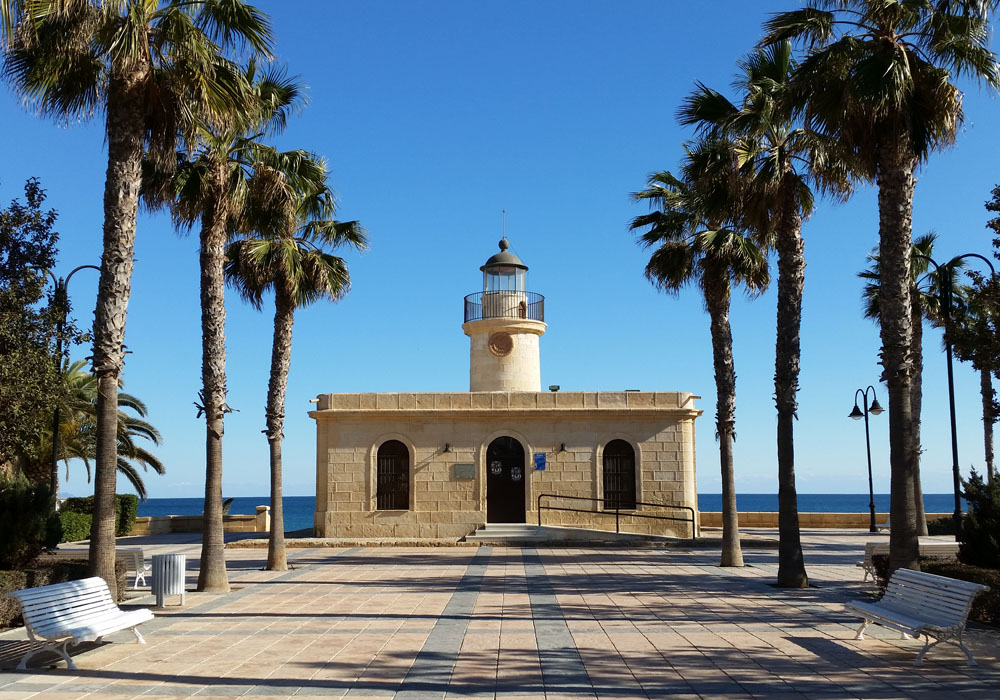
[464, 471]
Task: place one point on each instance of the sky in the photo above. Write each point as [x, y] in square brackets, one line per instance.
[434, 118]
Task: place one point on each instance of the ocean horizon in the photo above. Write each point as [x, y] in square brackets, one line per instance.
[299, 509]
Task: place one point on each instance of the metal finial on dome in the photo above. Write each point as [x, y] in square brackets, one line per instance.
[504, 258]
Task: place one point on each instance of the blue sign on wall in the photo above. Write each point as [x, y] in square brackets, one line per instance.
[539, 461]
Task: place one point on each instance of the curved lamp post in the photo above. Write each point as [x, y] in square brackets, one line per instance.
[945, 273]
[875, 409]
[60, 298]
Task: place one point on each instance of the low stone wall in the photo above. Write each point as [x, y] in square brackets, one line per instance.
[833, 520]
[162, 524]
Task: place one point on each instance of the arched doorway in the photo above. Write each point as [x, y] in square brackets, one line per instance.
[505, 476]
[619, 475]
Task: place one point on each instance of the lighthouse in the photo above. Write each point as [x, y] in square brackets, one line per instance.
[504, 322]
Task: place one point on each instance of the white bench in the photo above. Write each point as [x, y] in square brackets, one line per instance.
[928, 548]
[135, 561]
[918, 603]
[73, 612]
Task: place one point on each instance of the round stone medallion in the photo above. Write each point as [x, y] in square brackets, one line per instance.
[501, 344]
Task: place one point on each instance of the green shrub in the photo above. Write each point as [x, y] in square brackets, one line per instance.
[941, 526]
[83, 504]
[126, 508]
[26, 513]
[980, 531]
[75, 526]
[44, 573]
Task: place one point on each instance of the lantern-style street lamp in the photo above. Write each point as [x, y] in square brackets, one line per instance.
[857, 414]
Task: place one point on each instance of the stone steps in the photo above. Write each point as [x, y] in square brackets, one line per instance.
[509, 532]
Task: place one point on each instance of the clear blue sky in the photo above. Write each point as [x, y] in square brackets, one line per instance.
[434, 117]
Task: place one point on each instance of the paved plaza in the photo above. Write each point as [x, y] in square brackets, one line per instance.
[423, 623]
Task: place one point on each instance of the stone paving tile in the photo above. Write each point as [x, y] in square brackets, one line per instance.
[429, 624]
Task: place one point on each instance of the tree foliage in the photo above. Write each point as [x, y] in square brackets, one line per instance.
[980, 533]
[28, 378]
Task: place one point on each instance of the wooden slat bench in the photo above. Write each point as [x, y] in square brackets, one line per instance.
[928, 548]
[71, 613]
[918, 603]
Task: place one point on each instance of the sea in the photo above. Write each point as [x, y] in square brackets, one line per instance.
[299, 509]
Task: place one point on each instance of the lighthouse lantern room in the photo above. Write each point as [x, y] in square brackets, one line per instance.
[504, 323]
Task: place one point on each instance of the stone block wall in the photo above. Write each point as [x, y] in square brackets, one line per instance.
[519, 370]
[570, 428]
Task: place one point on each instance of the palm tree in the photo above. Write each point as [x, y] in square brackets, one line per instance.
[924, 303]
[973, 335]
[782, 159]
[877, 77]
[692, 227]
[289, 258]
[212, 187]
[78, 430]
[142, 63]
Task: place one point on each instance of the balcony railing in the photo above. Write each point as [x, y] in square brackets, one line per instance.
[505, 304]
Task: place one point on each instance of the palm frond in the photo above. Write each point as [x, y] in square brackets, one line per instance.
[810, 26]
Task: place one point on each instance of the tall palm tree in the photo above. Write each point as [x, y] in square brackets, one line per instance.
[877, 77]
[142, 63]
[692, 228]
[78, 430]
[211, 187]
[924, 303]
[782, 159]
[289, 258]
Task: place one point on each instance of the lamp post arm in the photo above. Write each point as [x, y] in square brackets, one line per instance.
[77, 269]
[977, 255]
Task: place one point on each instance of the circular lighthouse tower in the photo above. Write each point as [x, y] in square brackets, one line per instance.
[504, 323]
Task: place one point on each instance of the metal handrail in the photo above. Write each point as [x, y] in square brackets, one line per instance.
[607, 511]
[505, 304]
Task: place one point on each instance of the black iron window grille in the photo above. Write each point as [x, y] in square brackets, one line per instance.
[619, 476]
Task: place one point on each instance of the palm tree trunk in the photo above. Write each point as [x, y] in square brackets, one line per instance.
[916, 400]
[895, 203]
[281, 352]
[212, 573]
[121, 203]
[717, 302]
[791, 280]
[986, 389]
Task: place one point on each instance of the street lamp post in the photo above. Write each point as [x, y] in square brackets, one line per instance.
[945, 280]
[60, 297]
[875, 409]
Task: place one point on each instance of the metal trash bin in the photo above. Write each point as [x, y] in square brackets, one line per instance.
[169, 571]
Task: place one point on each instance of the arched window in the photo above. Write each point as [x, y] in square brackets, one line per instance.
[619, 475]
[392, 476]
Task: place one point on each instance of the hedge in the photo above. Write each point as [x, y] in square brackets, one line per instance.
[941, 526]
[44, 573]
[986, 607]
[126, 508]
[75, 526]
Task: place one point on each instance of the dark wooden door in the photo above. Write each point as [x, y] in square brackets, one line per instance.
[505, 477]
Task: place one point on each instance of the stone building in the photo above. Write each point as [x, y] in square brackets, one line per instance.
[445, 464]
